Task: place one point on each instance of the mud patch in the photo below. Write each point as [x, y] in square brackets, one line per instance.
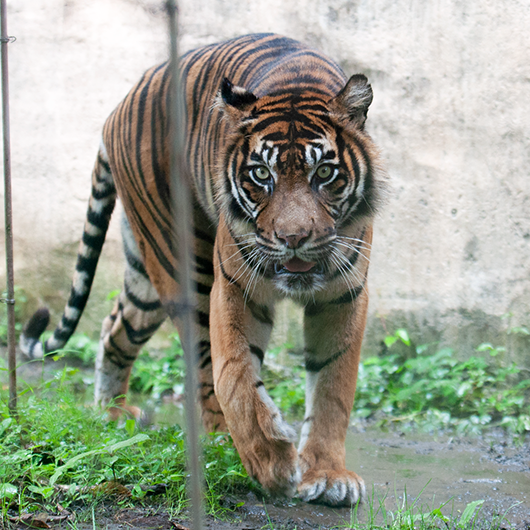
[402, 469]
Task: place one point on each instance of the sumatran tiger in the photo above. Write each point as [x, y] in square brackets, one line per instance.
[285, 184]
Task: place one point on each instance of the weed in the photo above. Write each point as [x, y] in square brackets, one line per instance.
[435, 390]
[60, 452]
[159, 374]
[419, 517]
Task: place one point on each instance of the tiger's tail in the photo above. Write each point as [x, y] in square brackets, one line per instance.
[100, 207]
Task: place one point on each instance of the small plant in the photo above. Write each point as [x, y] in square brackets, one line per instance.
[159, 374]
[416, 516]
[80, 349]
[433, 388]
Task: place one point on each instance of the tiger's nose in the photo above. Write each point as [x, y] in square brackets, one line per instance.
[293, 240]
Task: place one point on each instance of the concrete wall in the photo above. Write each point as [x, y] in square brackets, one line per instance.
[451, 114]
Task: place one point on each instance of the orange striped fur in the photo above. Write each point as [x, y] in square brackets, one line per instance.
[285, 182]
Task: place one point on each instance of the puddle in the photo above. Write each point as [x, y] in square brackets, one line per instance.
[445, 470]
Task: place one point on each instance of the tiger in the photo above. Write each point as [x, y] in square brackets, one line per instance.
[285, 184]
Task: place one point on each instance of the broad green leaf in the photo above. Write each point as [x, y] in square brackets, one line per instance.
[130, 425]
[69, 463]
[111, 448]
[404, 336]
[390, 340]
[468, 513]
[126, 443]
[7, 490]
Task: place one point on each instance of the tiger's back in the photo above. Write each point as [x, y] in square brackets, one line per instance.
[285, 183]
[262, 63]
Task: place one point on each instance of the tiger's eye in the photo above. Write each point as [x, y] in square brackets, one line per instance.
[324, 172]
[262, 173]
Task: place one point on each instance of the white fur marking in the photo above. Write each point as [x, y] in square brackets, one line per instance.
[282, 429]
[311, 382]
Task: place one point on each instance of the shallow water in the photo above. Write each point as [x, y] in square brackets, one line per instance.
[444, 470]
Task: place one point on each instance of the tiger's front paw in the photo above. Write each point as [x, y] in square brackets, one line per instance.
[275, 466]
[335, 488]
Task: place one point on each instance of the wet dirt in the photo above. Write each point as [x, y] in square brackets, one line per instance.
[445, 470]
[400, 469]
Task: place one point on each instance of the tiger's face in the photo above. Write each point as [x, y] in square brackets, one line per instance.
[298, 184]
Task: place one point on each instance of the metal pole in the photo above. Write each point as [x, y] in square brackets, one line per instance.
[10, 300]
[183, 233]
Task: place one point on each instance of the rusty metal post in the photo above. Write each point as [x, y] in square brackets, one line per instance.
[10, 300]
[183, 238]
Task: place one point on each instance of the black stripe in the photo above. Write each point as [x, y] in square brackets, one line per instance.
[87, 264]
[228, 278]
[203, 289]
[94, 242]
[114, 359]
[104, 193]
[203, 236]
[76, 299]
[100, 219]
[204, 266]
[312, 365]
[139, 336]
[205, 362]
[203, 348]
[103, 163]
[261, 313]
[349, 296]
[209, 394]
[203, 319]
[118, 350]
[134, 262]
[315, 308]
[141, 304]
[258, 352]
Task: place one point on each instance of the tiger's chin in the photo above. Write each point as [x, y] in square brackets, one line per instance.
[299, 284]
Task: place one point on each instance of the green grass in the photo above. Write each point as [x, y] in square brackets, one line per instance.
[62, 452]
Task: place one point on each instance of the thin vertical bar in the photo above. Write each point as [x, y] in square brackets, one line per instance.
[12, 360]
[183, 233]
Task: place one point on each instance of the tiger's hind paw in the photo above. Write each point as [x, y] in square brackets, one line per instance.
[334, 488]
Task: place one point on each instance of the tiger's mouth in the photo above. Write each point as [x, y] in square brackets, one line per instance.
[297, 266]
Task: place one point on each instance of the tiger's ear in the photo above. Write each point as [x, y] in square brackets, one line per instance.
[234, 100]
[353, 100]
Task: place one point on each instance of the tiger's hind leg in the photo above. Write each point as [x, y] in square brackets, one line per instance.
[136, 316]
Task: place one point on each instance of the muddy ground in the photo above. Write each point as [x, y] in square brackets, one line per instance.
[398, 468]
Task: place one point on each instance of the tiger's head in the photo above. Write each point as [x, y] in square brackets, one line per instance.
[300, 180]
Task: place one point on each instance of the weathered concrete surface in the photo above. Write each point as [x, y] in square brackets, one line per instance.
[451, 115]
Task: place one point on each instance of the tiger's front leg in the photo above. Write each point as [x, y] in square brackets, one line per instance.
[334, 334]
[239, 331]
